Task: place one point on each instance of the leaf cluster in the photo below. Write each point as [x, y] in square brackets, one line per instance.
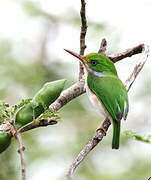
[8, 113]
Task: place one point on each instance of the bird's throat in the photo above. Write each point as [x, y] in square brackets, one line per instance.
[95, 73]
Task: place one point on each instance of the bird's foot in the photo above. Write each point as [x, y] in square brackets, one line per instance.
[102, 130]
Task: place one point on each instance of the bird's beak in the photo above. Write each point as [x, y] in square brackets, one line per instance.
[76, 55]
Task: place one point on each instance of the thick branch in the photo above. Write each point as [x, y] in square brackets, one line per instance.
[127, 53]
[77, 89]
[106, 123]
[67, 95]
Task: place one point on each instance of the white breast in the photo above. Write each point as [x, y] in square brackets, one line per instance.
[96, 103]
[93, 98]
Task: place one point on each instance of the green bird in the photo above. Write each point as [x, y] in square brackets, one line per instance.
[105, 90]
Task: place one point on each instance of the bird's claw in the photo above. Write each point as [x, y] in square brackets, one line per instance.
[102, 130]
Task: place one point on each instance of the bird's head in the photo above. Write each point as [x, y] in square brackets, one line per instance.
[95, 62]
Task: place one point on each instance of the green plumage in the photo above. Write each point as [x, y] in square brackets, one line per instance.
[104, 64]
[106, 90]
[111, 93]
[116, 134]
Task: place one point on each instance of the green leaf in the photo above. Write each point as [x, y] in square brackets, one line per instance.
[40, 102]
[5, 141]
[48, 114]
[4, 115]
[138, 137]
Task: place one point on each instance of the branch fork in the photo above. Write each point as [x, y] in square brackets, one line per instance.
[101, 132]
[78, 89]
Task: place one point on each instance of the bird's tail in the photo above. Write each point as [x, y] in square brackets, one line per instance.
[116, 134]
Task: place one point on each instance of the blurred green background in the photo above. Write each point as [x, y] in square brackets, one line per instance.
[32, 37]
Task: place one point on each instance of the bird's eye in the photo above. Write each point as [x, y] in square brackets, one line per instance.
[94, 63]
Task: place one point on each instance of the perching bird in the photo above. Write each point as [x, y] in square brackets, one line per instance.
[105, 90]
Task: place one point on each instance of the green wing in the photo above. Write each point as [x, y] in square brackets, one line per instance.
[112, 94]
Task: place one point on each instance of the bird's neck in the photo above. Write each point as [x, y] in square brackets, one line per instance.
[98, 74]
[88, 71]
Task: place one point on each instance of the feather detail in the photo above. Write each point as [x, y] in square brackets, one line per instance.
[96, 102]
[116, 134]
[95, 73]
[111, 93]
[126, 109]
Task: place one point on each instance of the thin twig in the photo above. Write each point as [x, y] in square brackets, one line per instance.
[82, 35]
[137, 67]
[37, 124]
[106, 123]
[21, 149]
[83, 27]
[103, 46]
[89, 146]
